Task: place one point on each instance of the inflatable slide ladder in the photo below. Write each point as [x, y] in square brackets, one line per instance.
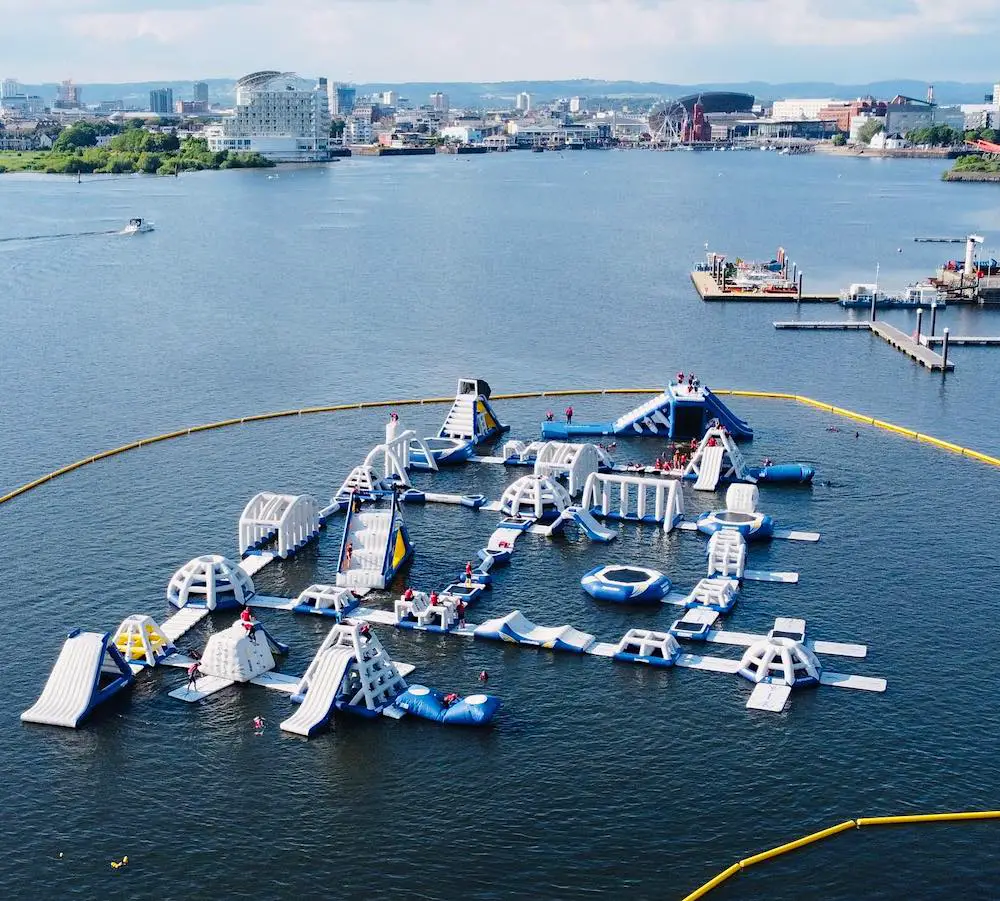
[650, 418]
[727, 554]
[88, 671]
[471, 418]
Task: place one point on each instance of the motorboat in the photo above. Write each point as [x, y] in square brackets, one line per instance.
[861, 295]
[137, 226]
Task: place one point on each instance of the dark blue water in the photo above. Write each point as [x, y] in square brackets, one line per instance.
[377, 279]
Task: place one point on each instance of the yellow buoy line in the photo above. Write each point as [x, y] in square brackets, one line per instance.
[523, 395]
[859, 823]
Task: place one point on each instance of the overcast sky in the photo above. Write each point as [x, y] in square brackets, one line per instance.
[678, 41]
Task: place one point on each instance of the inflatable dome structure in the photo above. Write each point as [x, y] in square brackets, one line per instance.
[535, 497]
[780, 661]
[210, 581]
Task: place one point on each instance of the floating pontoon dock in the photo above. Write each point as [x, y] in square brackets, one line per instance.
[908, 345]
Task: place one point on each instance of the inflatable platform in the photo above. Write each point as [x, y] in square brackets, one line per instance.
[680, 412]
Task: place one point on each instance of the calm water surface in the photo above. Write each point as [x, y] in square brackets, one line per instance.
[375, 279]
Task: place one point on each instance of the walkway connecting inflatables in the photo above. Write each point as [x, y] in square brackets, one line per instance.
[88, 671]
[516, 629]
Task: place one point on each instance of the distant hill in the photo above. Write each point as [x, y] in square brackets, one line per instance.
[487, 93]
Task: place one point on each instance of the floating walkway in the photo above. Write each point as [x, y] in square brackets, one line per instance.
[709, 290]
[904, 343]
[981, 340]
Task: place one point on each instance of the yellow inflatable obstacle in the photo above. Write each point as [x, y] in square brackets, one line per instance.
[141, 640]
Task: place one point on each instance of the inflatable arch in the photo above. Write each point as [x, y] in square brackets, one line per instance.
[293, 520]
[575, 462]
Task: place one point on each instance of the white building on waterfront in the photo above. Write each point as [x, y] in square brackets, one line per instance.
[277, 115]
[807, 108]
[358, 130]
[523, 102]
[440, 102]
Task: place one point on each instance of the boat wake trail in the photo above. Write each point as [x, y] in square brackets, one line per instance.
[111, 231]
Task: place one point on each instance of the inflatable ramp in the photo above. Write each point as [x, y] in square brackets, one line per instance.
[88, 671]
[317, 706]
[379, 545]
[517, 629]
[471, 418]
[711, 469]
[736, 427]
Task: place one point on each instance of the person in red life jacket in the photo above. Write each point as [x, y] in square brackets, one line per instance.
[712, 442]
[364, 629]
[434, 597]
[449, 699]
[549, 416]
[408, 594]
[246, 618]
[569, 416]
[460, 610]
[193, 671]
[348, 553]
[680, 378]
[484, 677]
[468, 574]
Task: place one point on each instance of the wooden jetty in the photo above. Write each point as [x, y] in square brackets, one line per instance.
[844, 326]
[904, 343]
[709, 290]
[910, 346]
[981, 340]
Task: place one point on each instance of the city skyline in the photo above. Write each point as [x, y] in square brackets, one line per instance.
[499, 40]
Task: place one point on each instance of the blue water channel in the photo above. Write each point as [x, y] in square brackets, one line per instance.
[379, 279]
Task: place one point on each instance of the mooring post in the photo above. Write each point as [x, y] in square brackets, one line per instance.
[798, 296]
[944, 351]
[934, 307]
[920, 319]
[874, 298]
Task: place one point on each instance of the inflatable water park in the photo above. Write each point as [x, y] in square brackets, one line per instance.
[556, 482]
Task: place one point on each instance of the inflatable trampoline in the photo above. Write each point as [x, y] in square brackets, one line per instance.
[752, 526]
[445, 451]
[626, 584]
[474, 710]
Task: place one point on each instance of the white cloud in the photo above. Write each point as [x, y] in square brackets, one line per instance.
[488, 40]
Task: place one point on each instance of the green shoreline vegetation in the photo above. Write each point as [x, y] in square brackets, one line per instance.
[131, 149]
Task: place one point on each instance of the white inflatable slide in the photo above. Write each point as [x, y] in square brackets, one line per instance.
[368, 534]
[317, 706]
[711, 469]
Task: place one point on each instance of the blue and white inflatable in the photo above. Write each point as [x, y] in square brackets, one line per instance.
[626, 584]
[782, 473]
[754, 526]
[474, 710]
[445, 451]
